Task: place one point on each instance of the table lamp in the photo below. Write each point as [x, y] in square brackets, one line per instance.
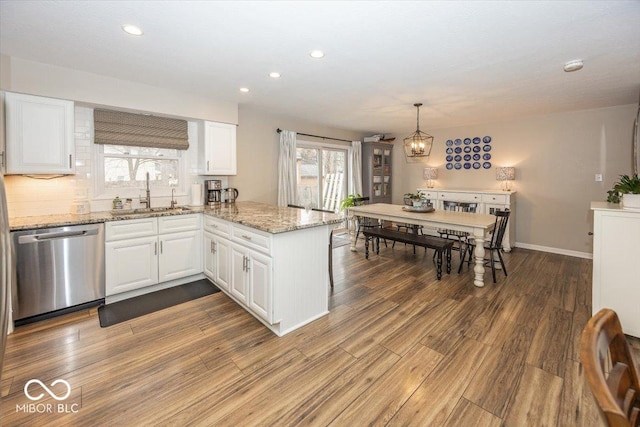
[505, 174]
[430, 174]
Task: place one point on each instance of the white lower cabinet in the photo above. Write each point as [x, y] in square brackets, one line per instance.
[238, 261]
[180, 255]
[131, 264]
[136, 256]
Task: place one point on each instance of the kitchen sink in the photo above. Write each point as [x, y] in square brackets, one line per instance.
[149, 211]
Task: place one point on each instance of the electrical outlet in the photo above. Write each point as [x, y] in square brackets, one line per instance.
[598, 177]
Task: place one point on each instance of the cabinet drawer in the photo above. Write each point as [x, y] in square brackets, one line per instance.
[252, 238]
[177, 223]
[458, 197]
[130, 229]
[217, 226]
[498, 199]
[430, 195]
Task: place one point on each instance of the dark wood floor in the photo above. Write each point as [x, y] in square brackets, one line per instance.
[398, 348]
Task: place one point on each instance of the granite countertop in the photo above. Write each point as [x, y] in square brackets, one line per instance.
[262, 216]
[270, 218]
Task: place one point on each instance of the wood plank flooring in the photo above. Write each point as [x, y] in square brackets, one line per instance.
[398, 348]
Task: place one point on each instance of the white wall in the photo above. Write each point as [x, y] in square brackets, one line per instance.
[556, 157]
[19, 75]
[258, 141]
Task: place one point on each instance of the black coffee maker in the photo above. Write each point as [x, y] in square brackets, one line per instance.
[213, 192]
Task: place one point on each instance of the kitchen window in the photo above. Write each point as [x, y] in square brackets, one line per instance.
[121, 170]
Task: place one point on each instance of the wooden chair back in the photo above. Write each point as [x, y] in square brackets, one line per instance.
[502, 218]
[610, 370]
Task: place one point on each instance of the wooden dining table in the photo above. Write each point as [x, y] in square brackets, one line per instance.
[478, 225]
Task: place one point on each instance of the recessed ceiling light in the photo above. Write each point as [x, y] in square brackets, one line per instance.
[244, 89]
[274, 75]
[132, 29]
[574, 65]
[317, 54]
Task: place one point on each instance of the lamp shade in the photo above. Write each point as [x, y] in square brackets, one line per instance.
[505, 174]
[430, 173]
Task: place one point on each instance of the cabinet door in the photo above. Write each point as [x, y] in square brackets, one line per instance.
[40, 135]
[209, 256]
[131, 264]
[239, 282]
[260, 286]
[222, 262]
[220, 148]
[180, 255]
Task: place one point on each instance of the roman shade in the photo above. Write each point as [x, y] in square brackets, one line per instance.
[119, 128]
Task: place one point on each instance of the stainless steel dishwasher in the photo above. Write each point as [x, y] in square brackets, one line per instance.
[57, 270]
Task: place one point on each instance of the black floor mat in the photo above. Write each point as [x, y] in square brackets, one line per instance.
[131, 308]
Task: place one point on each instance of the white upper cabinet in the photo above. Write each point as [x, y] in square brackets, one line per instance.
[40, 135]
[217, 149]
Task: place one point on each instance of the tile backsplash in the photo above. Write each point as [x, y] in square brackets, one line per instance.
[28, 196]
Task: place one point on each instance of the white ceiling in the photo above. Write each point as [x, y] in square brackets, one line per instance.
[467, 61]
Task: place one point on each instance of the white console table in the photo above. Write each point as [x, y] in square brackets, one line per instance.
[616, 270]
[487, 202]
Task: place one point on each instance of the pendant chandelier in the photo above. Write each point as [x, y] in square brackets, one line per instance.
[418, 144]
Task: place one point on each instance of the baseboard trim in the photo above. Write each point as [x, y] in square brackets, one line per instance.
[585, 255]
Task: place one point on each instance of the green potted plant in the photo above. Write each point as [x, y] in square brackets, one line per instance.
[627, 191]
[414, 199]
[349, 201]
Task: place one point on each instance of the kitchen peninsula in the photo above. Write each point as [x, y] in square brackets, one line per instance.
[271, 260]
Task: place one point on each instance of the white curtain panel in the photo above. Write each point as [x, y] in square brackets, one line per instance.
[287, 168]
[356, 167]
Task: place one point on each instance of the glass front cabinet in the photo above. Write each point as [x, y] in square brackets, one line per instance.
[376, 171]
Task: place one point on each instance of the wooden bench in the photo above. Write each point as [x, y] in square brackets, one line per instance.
[439, 244]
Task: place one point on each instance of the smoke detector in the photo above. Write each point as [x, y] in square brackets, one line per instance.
[574, 65]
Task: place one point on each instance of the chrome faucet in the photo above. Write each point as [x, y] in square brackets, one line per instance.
[173, 202]
[147, 200]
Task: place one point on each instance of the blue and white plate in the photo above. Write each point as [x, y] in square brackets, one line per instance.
[457, 166]
[486, 148]
[458, 150]
[467, 165]
[449, 143]
[476, 140]
[476, 165]
[449, 150]
[449, 158]
[458, 141]
[467, 149]
[476, 157]
[486, 156]
[476, 149]
[486, 165]
[467, 141]
[449, 166]
[467, 157]
[486, 139]
[457, 157]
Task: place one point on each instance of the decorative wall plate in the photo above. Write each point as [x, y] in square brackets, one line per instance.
[486, 139]
[486, 148]
[449, 158]
[467, 157]
[458, 150]
[467, 149]
[449, 166]
[486, 165]
[449, 150]
[457, 141]
[476, 157]
[467, 141]
[476, 140]
[449, 143]
[476, 165]
[457, 157]
[486, 156]
[457, 166]
[476, 149]
[467, 165]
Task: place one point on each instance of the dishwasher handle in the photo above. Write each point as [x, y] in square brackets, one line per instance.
[34, 238]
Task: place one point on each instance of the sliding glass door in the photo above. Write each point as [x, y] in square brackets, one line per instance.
[322, 176]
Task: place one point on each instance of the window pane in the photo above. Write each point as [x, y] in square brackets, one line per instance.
[131, 172]
[307, 164]
[334, 179]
